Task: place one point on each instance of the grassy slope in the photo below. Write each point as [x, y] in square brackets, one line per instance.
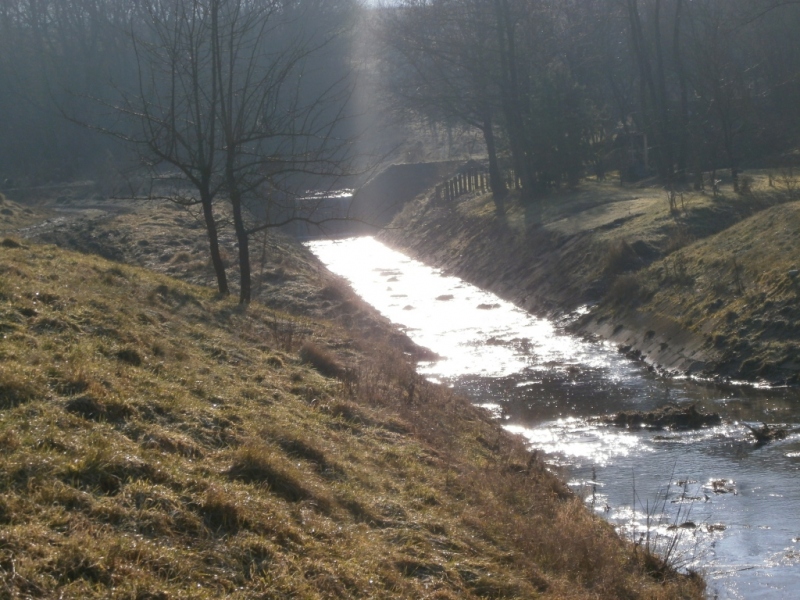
[738, 290]
[158, 442]
[647, 267]
[14, 216]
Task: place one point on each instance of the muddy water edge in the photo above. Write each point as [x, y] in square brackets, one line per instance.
[713, 498]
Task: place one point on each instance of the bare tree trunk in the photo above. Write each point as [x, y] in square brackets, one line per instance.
[656, 121]
[662, 102]
[512, 100]
[683, 132]
[213, 242]
[243, 239]
[496, 183]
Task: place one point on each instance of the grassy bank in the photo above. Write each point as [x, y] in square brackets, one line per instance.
[156, 441]
[706, 286]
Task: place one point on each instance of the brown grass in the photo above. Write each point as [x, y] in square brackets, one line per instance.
[322, 360]
[209, 469]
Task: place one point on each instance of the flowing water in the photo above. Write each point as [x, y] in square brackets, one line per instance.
[711, 499]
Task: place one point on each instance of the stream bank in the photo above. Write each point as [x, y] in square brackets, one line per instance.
[693, 291]
[689, 467]
[286, 448]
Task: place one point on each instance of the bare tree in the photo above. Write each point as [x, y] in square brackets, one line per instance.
[176, 105]
[231, 101]
[277, 132]
[441, 56]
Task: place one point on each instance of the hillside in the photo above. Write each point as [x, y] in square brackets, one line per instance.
[708, 287]
[157, 441]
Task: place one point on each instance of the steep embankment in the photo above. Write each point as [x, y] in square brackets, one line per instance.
[736, 293]
[157, 441]
[708, 288]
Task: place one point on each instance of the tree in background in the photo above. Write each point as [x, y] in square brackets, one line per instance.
[56, 54]
[233, 103]
[550, 84]
[439, 58]
[704, 84]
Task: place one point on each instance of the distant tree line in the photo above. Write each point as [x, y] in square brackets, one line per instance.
[246, 103]
[563, 86]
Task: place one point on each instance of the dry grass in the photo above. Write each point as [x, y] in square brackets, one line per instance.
[621, 250]
[621, 258]
[14, 216]
[158, 442]
[322, 360]
[739, 284]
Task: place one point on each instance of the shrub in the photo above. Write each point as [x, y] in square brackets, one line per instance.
[676, 271]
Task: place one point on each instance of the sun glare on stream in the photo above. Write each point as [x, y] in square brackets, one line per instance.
[735, 505]
[473, 331]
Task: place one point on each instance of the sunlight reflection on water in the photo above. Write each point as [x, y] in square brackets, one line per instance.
[739, 503]
[575, 438]
[473, 330]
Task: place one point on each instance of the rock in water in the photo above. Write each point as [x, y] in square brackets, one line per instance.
[670, 416]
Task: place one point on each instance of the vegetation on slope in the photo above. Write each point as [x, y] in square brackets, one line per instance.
[738, 290]
[157, 441]
[14, 215]
[704, 286]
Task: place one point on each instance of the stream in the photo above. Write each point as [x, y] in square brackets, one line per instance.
[712, 500]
